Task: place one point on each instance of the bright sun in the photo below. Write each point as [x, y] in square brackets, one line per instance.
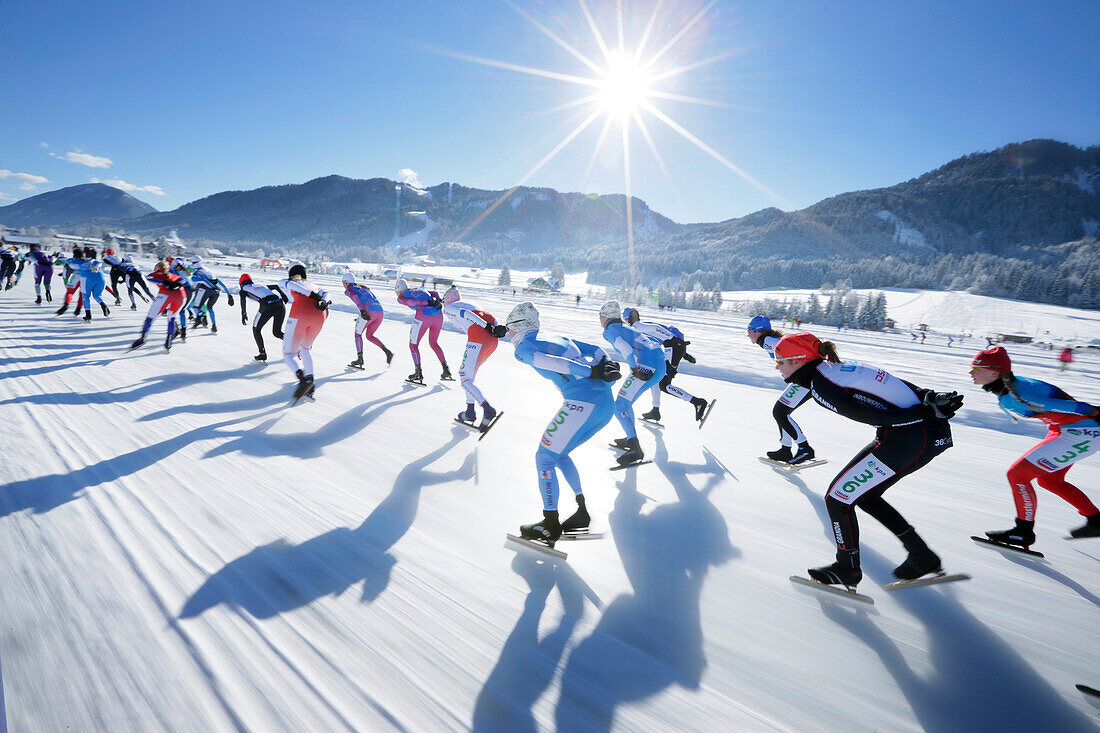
[623, 87]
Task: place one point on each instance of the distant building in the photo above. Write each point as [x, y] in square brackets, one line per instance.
[18, 240]
[539, 285]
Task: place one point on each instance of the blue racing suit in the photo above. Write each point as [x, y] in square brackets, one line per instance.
[645, 356]
[587, 407]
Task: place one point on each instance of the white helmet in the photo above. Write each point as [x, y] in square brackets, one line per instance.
[401, 285]
[128, 259]
[523, 318]
[611, 310]
[176, 263]
[349, 278]
[451, 296]
[196, 261]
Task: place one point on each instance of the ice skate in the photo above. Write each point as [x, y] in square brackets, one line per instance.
[140, 340]
[106, 310]
[446, 375]
[49, 298]
[87, 315]
[700, 406]
[783, 454]
[468, 415]
[358, 363]
[845, 571]
[919, 563]
[38, 300]
[1091, 528]
[802, 455]
[546, 532]
[1022, 535]
[653, 415]
[389, 355]
[487, 415]
[578, 522]
[633, 453]
[417, 377]
[260, 357]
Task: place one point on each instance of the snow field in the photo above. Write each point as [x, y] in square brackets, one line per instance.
[182, 551]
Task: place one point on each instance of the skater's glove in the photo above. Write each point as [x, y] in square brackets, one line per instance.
[244, 320]
[322, 305]
[605, 370]
[496, 330]
[435, 303]
[174, 285]
[689, 358]
[942, 405]
[642, 372]
[230, 301]
[365, 315]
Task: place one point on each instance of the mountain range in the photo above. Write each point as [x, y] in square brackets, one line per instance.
[1036, 203]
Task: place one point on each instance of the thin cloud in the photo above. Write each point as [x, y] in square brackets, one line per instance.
[6, 197]
[92, 161]
[124, 186]
[24, 178]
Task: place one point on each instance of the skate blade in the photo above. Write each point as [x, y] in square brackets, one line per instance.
[706, 414]
[1003, 546]
[354, 366]
[629, 465]
[843, 592]
[485, 430]
[651, 423]
[941, 578]
[1088, 690]
[412, 381]
[581, 535]
[537, 547]
[470, 425]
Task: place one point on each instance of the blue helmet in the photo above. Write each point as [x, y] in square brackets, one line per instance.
[760, 323]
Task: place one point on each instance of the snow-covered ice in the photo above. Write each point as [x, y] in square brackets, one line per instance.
[180, 550]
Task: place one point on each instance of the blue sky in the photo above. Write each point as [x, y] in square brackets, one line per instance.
[176, 101]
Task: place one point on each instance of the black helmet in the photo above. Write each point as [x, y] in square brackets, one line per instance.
[299, 270]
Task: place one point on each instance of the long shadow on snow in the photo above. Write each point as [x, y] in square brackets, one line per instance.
[527, 665]
[49, 492]
[151, 386]
[242, 405]
[259, 442]
[1043, 567]
[979, 682]
[653, 637]
[68, 355]
[280, 577]
[976, 681]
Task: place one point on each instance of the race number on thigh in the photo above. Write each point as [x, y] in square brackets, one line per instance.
[565, 424]
[631, 387]
[1065, 450]
[793, 395]
[865, 475]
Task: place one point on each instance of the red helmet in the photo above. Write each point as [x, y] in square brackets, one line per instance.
[798, 347]
[109, 252]
[995, 358]
[245, 278]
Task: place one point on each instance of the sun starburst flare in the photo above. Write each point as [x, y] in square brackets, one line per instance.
[622, 88]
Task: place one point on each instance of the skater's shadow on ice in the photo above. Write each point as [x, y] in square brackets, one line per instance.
[652, 638]
[245, 404]
[152, 386]
[975, 681]
[67, 356]
[527, 664]
[259, 441]
[280, 576]
[1044, 568]
[44, 493]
